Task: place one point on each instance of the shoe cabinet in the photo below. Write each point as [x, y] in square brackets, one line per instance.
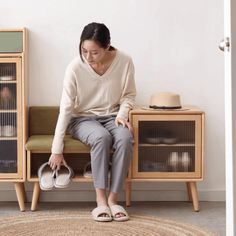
[168, 146]
[13, 109]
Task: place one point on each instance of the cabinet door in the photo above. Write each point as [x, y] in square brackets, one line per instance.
[11, 146]
[167, 146]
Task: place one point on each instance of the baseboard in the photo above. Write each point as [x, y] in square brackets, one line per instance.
[137, 195]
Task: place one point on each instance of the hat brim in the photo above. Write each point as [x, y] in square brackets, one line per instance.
[165, 109]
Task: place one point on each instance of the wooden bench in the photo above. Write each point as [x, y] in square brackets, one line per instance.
[42, 123]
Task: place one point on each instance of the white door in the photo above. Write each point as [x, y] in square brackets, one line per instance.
[229, 45]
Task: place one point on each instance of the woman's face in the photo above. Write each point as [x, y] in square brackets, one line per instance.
[92, 52]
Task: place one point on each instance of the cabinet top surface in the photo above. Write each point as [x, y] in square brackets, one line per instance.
[185, 110]
[12, 30]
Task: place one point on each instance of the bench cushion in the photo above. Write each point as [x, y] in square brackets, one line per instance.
[43, 143]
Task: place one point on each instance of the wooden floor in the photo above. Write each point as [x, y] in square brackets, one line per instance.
[211, 215]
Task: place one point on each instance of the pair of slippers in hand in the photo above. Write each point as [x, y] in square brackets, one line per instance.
[48, 178]
[106, 213]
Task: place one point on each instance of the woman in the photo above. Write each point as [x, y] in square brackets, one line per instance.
[98, 92]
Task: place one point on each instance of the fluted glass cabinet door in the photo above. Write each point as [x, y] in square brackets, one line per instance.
[167, 146]
[10, 118]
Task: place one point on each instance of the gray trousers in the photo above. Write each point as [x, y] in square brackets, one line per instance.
[101, 134]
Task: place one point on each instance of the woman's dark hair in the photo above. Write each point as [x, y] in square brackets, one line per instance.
[97, 32]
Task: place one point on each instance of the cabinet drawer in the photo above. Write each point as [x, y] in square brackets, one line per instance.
[11, 42]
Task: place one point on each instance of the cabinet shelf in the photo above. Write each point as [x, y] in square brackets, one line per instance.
[167, 145]
[8, 138]
[8, 82]
[76, 178]
[8, 111]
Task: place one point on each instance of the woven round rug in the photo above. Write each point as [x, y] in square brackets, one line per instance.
[81, 224]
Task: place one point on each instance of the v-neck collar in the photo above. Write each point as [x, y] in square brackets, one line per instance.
[107, 72]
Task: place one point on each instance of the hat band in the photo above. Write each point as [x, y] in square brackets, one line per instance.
[164, 107]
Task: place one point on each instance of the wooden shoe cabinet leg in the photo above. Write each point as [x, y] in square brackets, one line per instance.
[20, 193]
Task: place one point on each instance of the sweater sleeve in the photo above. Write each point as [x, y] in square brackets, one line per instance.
[66, 107]
[127, 100]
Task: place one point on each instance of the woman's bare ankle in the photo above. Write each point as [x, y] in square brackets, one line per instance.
[112, 199]
[101, 202]
[101, 197]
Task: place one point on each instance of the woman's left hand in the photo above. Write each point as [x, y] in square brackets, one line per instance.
[124, 123]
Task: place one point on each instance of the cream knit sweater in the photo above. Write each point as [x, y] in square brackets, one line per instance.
[85, 93]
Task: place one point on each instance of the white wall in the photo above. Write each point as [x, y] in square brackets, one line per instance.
[174, 45]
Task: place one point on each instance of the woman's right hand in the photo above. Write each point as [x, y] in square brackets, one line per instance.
[55, 161]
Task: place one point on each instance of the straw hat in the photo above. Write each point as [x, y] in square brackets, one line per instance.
[165, 100]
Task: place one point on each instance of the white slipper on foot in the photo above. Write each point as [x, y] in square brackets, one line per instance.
[118, 209]
[102, 210]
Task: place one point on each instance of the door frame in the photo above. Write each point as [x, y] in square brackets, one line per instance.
[230, 116]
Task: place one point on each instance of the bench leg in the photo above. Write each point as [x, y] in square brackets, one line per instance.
[20, 194]
[35, 197]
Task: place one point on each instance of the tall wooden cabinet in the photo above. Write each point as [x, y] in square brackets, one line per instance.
[13, 109]
[168, 146]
